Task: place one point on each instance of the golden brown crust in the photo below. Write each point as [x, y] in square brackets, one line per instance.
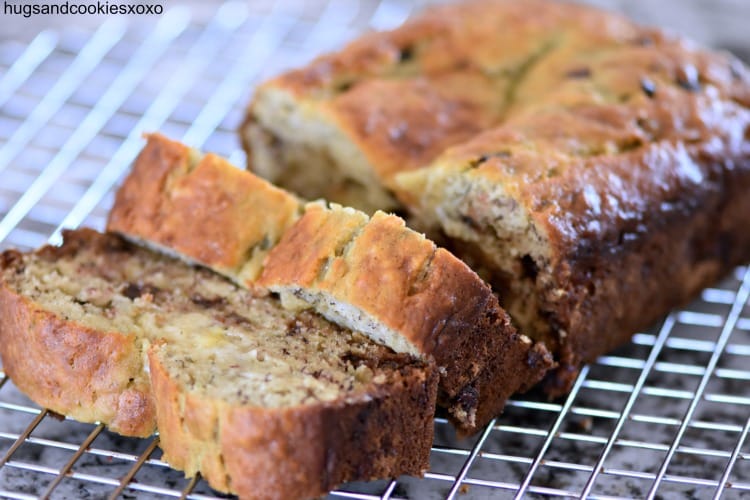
[393, 145]
[377, 267]
[74, 370]
[176, 204]
[404, 96]
[298, 452]
[307, 250]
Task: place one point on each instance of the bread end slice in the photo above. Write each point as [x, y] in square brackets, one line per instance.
[89, 373]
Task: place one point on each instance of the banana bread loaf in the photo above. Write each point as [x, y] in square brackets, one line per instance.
[371, 275]
[596, 171]
[263, 401]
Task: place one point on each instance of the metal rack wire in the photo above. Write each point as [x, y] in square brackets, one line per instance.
[666, 416]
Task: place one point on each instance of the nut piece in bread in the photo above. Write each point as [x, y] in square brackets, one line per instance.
[372, 275]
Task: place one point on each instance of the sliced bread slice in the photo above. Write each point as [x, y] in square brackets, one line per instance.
[73, 323]
[372, 275]
[293, 412]
[236, 378]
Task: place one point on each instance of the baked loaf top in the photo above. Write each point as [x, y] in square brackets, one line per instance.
[601, 133]
[404, 96]
[89, 328]
[372, 275]
[398, 99]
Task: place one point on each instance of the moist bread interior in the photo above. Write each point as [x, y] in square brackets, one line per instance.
[219, 340]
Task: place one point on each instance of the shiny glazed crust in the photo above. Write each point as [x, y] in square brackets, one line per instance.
[297, 452]
[77, 371]
[623, 152]
[414, 296]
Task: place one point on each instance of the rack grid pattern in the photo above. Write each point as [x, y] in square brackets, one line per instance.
[666, 416]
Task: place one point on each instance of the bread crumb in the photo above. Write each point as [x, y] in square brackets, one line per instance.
[585, 424]
[55, 415]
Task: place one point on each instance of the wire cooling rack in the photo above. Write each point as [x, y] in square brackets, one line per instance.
[664, 417]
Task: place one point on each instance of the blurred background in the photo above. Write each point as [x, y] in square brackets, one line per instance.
[77, 92]
[721, 23]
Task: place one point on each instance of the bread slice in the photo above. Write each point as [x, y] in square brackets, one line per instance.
[293, 412]
[573, 158]
[370, 274]
[264, 401]
[74, 321]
